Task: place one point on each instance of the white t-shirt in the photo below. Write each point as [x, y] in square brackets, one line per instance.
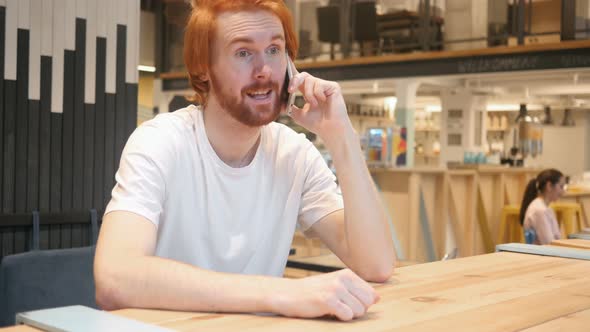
[216, 217]
[542, 219]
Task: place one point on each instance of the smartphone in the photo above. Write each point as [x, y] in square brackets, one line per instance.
[289, 98]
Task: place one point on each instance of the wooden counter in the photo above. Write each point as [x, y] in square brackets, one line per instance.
[427, 204]
[494, 292]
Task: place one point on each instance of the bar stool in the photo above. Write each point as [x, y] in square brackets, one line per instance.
[570, 215]
[509, 223]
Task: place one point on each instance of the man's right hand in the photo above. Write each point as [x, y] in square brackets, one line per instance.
[342, 294]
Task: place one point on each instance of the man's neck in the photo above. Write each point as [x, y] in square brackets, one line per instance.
[234, 142]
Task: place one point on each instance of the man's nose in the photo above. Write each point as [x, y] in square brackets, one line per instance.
[262, 69]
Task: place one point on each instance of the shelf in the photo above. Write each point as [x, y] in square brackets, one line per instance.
[498, 130]
[370, 118]
[431, 130]
[426, 155]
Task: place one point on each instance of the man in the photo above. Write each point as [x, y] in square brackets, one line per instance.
[207, 199]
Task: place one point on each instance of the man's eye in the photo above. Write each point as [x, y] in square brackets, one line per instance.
[242, 54]
[274, 50]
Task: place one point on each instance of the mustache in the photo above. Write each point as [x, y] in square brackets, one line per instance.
[271, 85]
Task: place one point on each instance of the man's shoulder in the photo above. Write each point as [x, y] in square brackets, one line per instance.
[166, 126]
[180, 119]
[165, 131]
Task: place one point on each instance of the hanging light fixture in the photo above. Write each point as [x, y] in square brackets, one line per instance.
[530, 133]
[548, 119]
[568, 120]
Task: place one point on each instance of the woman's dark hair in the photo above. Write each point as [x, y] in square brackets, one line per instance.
[537, 185]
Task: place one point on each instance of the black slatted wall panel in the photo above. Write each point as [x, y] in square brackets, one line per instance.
[89, 123]
[33, 157]
[22, 110]
[45, 135]
[3, 245]
[78, 154]
[68, 131]
[55, 172]
[9, 145]
[58, 162]
[2, 41]
[78, 130]
[109, 146]
[120, 126]
[130, 108]
[99, 128]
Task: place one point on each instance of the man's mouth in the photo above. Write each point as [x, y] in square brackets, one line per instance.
[259, 94]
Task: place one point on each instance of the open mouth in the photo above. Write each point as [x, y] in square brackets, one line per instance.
[259, 94]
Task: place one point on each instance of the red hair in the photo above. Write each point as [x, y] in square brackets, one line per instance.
[200, 31]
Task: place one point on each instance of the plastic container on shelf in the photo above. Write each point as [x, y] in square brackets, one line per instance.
[503, 122]
[495, 122]
[379, 147]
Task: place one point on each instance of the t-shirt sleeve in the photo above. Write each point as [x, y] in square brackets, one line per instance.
[141, 178]
[320, 195]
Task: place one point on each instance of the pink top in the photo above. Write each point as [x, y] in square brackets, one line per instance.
[542, 219]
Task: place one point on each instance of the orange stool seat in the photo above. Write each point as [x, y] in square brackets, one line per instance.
[510, 225]
[568, 214]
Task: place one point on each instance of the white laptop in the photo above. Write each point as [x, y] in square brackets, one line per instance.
[80, 318]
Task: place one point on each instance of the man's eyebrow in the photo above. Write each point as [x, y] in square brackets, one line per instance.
[248, 40]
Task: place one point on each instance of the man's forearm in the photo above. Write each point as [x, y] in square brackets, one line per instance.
[153, 282]
[366, 228]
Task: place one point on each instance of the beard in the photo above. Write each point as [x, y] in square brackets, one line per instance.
[252, 116]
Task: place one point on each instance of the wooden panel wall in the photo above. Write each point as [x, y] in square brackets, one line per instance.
[434, 210]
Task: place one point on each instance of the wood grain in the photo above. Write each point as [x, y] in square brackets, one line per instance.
[494, 292]
[572, 243]
[574, 322]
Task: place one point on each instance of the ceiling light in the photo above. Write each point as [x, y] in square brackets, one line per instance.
[150, 69]
[433, 108]
[502, 107]
[512, 107]
[389, 104]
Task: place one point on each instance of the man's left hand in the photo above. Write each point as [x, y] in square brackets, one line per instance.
[324, 112]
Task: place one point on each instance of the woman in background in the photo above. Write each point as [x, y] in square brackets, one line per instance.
[535, 213]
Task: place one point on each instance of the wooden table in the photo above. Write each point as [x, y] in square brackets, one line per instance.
[572, 243]
[332, 261]
[298, 267]
[574, 322]
[495, 292]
